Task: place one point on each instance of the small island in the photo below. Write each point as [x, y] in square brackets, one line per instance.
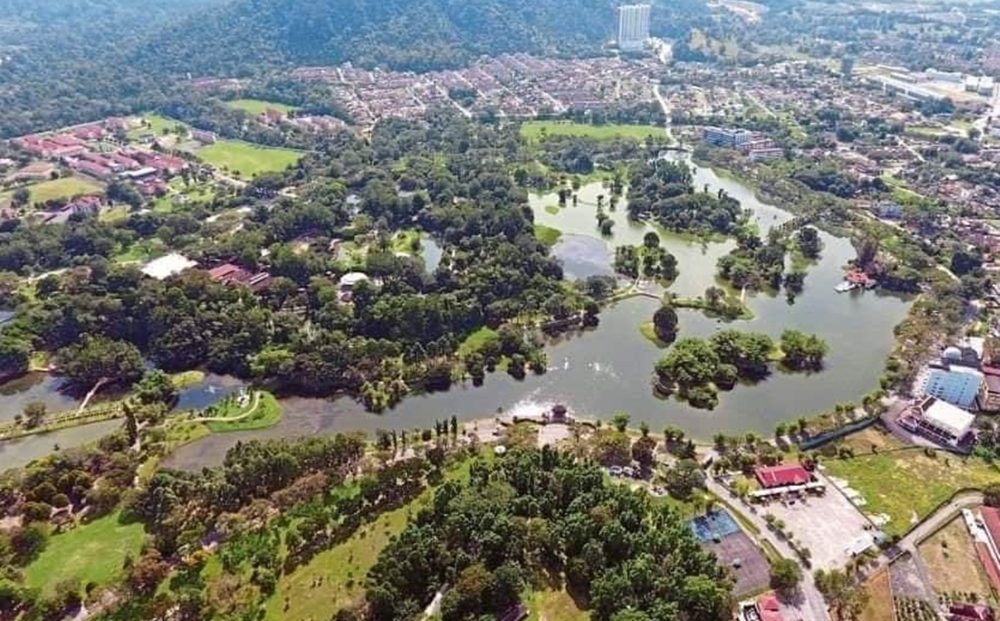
[696, 369]
[650, 260]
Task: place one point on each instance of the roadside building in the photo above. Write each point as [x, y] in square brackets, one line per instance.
[726, 137]
[989, 393]
[939, 420]
[783, 475]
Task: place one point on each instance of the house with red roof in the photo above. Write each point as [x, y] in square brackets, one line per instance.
[232, 274]
[782, 475]
[964, 611]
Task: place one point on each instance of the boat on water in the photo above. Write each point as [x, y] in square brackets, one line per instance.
[844, 287]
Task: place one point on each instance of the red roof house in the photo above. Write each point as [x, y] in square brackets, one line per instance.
[768, 606]
[971, 612]
[782, 475]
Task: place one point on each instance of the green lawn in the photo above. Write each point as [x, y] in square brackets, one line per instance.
[155, 124]
[258, 106]
[476, 340]
[343, 567]
[538, 130]
[140, 251]
[547, 234]
[64, 187]
[554, 605]
[91, 552]
[406, 241]
[648, 331]
[248, 159]
[267, 414]
[905, 484]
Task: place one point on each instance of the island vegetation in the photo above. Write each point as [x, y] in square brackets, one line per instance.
[650, 260]
[696, 369]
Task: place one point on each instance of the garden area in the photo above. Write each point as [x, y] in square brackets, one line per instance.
[243, 412]
[952, 564]
[64, 187]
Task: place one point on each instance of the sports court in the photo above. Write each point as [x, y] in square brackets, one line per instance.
[719, 533]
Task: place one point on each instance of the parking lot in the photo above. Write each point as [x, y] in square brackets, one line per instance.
[828, 525]
[719, 533]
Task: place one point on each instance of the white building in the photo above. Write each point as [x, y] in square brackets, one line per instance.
[167, 266]
[955, 384]
[633, 26]
[940, 421]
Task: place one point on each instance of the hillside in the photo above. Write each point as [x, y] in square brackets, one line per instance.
[409, 34]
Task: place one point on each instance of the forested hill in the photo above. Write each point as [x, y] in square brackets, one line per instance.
[404, 34]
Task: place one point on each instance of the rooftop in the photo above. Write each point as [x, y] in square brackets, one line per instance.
[947, 416]
[782, 475]
[167, 266]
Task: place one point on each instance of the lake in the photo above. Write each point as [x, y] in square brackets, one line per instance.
[599, 372]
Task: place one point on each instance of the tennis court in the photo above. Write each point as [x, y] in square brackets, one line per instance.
[714, 526]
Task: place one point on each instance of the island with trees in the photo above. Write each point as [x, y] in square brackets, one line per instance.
[696, 369]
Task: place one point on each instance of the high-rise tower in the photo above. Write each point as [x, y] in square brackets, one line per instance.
[633, 26]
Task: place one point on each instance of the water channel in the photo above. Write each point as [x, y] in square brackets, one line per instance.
[602, 371]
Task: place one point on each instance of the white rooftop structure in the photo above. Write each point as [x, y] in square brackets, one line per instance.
[167, 266]
[350, 279]
[949, 418]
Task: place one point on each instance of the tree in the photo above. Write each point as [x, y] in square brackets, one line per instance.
[684, 478]
[96, 358]
[651, 240]
[34, 414]
[714, 296]
[846, 598]
[20, 197]
[665, 323]
[785, 576]
[644, 452]
[15, 357]
[620, 421]
[689, 363]
[802, 351]
[991, 495]
[867, 251]
[156, 387]
[808, 242]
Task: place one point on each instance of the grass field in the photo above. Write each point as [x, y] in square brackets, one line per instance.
[547, 234]
[155, 124]
[248, 159]
[538, 130]
[880, 604]
[905, 484]
[258, 106]
[344, 566]
[89, 553]
[554, 605]
[64, 187]
[951, 561]
[140, 251]
[647, 330]
[267, 414]
[406, 241]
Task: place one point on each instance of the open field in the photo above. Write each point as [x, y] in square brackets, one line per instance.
[547, 234]
[476, 340]
[554, 605]
[344, 566]
[140, 251]
[91, 552]
[155, 124]
[258, 106]
[904, 483]
[248, 159]
[538, 130]
[64, 187]
[952, 563]
[406, 241]
[880, 602]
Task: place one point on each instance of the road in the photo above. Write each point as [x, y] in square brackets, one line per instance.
[939, 519]
[666, 111]
[811, 607]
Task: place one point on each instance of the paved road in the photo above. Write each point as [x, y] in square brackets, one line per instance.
[811, 607]
[939, 519]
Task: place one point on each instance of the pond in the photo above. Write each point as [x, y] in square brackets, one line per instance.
[430, 252]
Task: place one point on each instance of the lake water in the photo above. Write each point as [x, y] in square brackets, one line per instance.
[599, 372]
[430, 252]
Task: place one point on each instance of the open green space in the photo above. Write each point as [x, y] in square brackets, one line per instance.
[905, 483]
[258, 106]
[406, 241]
[181, 193]
[475, 341]
[91, 552]
[262, 411]
[554, 605]
[64, 187]
[140, 251]
[539, 130]
[155, 124]
[648, 331]
[248, 159]
[344, 566]
[547, 234]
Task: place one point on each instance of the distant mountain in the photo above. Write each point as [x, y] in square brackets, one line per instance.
[403, 34]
